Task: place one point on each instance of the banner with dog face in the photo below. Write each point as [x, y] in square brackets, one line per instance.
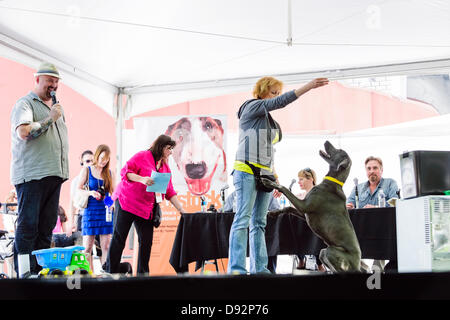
[199, 168]
[198, 162]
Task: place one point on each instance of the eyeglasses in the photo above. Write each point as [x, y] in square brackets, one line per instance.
[307, 170]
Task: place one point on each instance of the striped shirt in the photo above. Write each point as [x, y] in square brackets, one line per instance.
[45, 156]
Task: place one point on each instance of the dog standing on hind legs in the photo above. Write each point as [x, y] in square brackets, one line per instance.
[326, 214]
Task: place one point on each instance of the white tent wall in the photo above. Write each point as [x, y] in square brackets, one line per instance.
[143, 102]
[385, 142]
[297, 152]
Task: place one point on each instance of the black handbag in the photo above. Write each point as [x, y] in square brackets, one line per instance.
[257, 174]
[156, 215]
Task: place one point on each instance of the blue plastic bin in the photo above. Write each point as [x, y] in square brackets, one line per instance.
[55, 258]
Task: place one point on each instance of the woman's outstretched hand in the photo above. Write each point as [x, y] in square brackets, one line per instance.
[318, 82]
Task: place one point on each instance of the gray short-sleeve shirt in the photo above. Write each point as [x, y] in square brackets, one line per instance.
[45, 156]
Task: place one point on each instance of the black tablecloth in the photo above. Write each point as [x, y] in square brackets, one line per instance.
[204, 236]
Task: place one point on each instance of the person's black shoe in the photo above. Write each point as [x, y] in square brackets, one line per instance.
[301, 264]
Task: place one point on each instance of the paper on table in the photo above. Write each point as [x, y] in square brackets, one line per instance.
[161, 182]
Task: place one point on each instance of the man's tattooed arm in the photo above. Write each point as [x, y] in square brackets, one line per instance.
[38, 128]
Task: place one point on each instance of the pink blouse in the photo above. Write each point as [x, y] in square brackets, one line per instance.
[133, 196]
[58, 227]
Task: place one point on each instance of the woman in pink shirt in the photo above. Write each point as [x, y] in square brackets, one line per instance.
[135, 204]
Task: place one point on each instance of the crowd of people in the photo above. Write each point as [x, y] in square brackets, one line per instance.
[39, 166]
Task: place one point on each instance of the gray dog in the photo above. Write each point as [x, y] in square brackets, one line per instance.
[326, 214]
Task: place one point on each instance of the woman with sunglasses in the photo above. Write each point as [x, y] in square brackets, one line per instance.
[75, 214]
[307, 179]
[135, 205]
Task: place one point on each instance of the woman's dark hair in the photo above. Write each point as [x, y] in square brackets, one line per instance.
[86, 152]
[159, 144]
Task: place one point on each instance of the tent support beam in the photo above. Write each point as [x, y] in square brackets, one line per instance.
[409, 68]
[289, 24]
[119, 118]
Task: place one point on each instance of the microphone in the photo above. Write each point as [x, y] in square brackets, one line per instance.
[292, 183]
[222, 194]
[53, 94]
[203, 203]
[355, 180]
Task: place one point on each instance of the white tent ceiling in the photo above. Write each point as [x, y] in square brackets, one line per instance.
[165, 52]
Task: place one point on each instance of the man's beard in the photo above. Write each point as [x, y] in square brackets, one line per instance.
[47, 92]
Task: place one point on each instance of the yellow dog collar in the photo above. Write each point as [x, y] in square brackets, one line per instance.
[334, 180]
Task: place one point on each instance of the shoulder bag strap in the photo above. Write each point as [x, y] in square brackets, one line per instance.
[274, 125]
[256, 171]
[87, 178]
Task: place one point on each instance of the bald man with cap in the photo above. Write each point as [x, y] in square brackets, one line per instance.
[39, 163]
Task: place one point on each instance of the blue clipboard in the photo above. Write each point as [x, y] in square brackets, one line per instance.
[161, 182]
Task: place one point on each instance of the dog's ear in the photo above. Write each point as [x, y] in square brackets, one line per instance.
[169, 129]
[343, 164]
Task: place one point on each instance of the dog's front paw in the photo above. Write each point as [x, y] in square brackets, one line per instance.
[270, 184]
[275, 213]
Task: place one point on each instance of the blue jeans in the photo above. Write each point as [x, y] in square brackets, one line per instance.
[251, 211]
[37, 202]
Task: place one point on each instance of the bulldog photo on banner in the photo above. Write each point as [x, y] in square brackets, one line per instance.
[199, 153]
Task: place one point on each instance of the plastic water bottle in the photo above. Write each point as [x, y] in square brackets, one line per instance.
[108, 208]
[203, 203]
[381, 199]
[311, 263]
[108, 213]
[283, 201]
